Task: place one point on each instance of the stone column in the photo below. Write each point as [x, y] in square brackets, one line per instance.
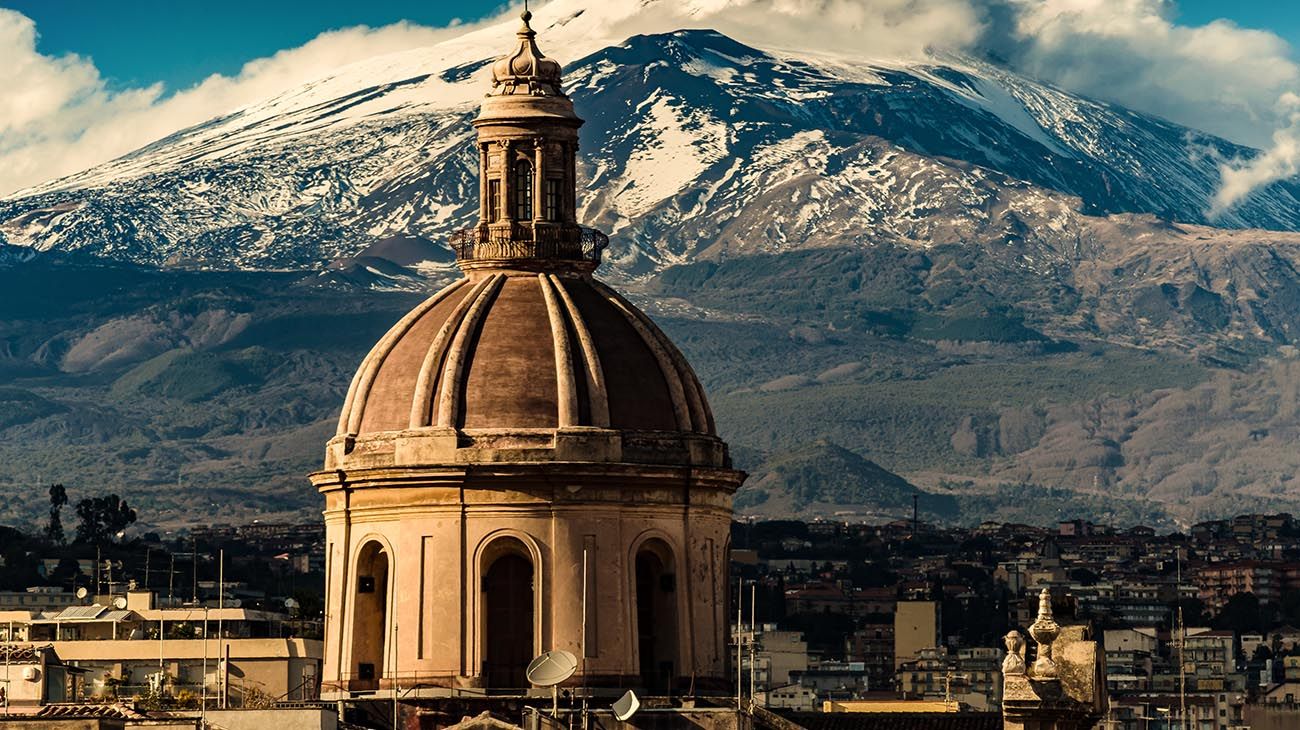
[484, 150]
[570, 185]
[508, 180]
[539, 179]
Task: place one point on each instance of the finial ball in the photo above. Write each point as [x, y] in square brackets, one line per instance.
[527, 15]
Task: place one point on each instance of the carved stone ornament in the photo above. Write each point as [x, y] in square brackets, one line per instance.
[1044, 630]
[1014, 664]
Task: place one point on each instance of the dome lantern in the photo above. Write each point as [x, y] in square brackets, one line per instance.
[528, 146]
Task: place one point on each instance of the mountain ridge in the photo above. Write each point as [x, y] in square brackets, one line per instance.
[975, 282]
[291, 184]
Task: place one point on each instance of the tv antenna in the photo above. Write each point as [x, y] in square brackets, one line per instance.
[548, 670]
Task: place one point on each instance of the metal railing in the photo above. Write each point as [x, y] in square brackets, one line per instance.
[565, 242]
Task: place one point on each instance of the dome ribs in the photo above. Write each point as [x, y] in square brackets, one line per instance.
[647, 331]
[449, 396]
[354, 406]
[597, 394]
[566, 388]
[422, 404]
[688, 396]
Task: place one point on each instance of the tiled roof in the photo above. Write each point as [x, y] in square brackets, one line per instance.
[119, 711]
[22, 653]
[896, 720]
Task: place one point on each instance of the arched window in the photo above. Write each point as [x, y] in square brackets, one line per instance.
[508, 619]
[656, 616]
[370, 617]
[523, 190]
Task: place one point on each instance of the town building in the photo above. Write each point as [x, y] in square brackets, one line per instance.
[916, 628]
[113, 647]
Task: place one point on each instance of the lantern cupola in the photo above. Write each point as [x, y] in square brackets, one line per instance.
[528, 146]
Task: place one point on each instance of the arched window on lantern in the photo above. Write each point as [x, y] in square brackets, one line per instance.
[523, 190]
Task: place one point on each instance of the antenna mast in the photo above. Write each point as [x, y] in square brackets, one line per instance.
[1182, 641]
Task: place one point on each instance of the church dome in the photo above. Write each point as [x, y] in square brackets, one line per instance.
[529, 358]
[522, 437]
[513, 354]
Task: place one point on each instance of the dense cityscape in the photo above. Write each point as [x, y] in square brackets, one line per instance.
[904, 616]
[911, 611]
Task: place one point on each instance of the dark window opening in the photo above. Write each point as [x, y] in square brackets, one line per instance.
[523, 190]
[552, 200]
[494, 201]
[508, 586]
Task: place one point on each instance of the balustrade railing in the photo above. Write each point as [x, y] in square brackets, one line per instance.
[523, 241]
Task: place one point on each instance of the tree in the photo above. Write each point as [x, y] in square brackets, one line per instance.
[58, 498]
[102, 518]
[1084, 577]
[1261, 655]
[1241, 613]
[67, 571]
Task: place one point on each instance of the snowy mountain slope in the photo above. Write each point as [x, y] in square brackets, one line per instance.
[695, 144]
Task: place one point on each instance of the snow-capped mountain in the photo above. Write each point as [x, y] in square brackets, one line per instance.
[695, 144]
[973, 276]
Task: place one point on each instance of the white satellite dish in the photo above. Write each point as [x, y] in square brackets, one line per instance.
[626, 706]
[82, 593]
[551, 668]
[290, 603]
[119, 603]
[236, 603]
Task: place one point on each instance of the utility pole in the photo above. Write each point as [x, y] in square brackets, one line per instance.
[753, 610]
[203, 706]
[1182, 641]
[221, 595]
[194, 569]
[740, 638]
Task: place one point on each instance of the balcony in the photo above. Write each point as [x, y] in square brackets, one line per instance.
[514, 241]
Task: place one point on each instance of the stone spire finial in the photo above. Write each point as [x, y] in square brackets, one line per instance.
[1044, 630]
[1014, 663]
[526, 70]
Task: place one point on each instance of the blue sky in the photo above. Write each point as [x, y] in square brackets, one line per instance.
[139, 42]
[180, 42]
[85, 81]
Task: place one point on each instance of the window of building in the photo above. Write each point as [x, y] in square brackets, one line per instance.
[552, 200]
[523, 190]
[494, 201]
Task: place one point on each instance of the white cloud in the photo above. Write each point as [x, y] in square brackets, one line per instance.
[1218, 77]
[1231, 81]
[1280, 160]
[57, 115]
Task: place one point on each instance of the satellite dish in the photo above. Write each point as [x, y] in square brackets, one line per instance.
[236, 603]
[119, 603]
[290, 603]
[82, 593]
[551, 668]
[626, 706]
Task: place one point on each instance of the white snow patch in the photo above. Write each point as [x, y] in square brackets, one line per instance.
[676, 147]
